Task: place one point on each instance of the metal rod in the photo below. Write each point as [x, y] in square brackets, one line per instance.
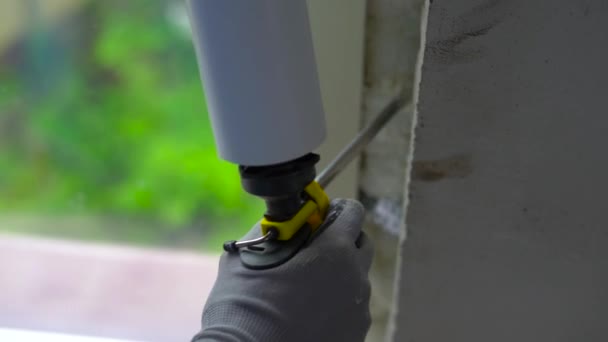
[360, 142]
[234, 246]
[245, 243]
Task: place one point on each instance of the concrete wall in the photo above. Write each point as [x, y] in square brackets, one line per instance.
[507, 220]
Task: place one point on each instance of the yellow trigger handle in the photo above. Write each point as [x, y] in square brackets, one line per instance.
[312, 212]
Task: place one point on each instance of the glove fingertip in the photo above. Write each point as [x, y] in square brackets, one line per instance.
[351, 210]
[350, 214]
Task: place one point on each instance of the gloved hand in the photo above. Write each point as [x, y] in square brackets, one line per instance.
[321, 294]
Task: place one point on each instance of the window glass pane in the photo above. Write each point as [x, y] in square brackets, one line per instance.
[104, 133]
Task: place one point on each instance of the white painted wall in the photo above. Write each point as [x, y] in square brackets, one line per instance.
[338, 31]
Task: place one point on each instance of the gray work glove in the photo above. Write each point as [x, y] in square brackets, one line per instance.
[321, 294]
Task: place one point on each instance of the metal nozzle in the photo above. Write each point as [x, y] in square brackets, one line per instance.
[360, 142]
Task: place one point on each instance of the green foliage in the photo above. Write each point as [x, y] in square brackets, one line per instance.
[124, 131]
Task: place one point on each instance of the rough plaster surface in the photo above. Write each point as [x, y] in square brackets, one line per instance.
[391, 47]
[506, 224]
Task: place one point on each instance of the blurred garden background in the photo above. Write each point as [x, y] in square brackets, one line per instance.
[104, 133]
